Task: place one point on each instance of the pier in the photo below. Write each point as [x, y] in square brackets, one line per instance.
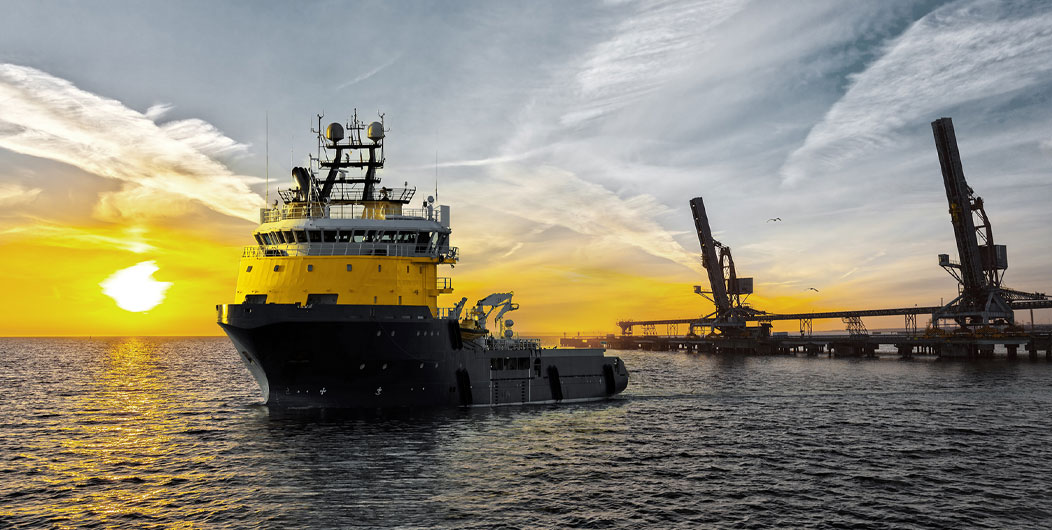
[972, 325]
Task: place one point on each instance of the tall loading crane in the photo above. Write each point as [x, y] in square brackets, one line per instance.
[982, 300]
[726, 287]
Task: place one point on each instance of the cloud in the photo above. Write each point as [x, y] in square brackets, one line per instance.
[164, 168]
[551, 197]
[130, 239]
[644, 52]
[370, 73]
[12, 194]
[963, 52]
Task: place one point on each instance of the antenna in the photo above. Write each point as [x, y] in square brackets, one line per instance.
[436, 174]
[266, 202]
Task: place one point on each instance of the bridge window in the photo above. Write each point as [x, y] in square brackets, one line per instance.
[371, 236]
[287, 234]
[344, 236]
[255, 298]
[329, 236]
[259, 239]
[301, 236]
[387, 237]
[315, 236]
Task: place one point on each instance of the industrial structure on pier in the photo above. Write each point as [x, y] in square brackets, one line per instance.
[981, 316]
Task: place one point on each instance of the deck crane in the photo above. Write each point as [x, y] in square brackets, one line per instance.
[982, 299]
[726, 288]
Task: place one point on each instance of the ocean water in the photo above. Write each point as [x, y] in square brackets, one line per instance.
[170, 432]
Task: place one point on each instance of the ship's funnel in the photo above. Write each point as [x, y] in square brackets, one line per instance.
[302, 177]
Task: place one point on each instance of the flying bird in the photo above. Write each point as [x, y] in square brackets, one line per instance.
[812, 289]
[774, 219]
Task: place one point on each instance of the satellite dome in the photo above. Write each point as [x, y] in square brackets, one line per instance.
[375, 132]
[509, 323]
[334, 132]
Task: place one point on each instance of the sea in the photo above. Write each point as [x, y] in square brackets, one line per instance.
[171, 433]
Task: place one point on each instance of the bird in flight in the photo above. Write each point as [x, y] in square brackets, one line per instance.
[812, 289]
[774, 219]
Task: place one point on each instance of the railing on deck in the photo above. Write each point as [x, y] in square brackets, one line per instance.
[443, 283]
[352, 249]
[347, 211]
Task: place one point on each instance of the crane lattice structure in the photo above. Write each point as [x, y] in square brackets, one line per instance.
[982, 300]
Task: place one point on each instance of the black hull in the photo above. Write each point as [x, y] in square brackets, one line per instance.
[399, 356]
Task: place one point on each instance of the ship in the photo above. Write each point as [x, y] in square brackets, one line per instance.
[337, 300]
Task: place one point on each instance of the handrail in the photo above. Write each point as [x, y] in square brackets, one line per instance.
[346, 211]
[445, 254]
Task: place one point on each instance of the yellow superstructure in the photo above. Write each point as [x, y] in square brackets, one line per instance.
[365, 280]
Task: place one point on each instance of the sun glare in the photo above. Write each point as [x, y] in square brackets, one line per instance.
[134, 289]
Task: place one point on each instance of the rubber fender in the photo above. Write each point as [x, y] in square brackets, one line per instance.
[554, 383]
[608, 378]
[464, 387]
[455, 339]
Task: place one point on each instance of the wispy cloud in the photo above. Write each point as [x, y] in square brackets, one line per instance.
[366, 75]
[963, 52]
[132, 239]
[164, 168]
[12, 194]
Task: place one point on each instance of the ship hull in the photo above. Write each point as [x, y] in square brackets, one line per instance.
[351, 356]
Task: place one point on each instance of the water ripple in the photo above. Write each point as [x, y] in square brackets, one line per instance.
[154, 432]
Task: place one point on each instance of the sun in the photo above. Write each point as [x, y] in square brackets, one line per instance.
[134, 289]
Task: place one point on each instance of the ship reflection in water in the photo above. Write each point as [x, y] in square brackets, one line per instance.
[169, 432]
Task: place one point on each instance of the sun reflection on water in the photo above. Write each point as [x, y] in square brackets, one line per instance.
[121, 438]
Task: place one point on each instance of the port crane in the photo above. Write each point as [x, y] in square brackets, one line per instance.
[726, 288]
[982, 300]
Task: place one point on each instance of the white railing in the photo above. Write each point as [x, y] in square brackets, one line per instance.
[352, 249]
[346, 211]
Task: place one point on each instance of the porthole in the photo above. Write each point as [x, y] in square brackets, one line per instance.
[249, 269]
[378, 333]
[310, 268]
[349, 267]
[421, 365]
[361, 366]
[384, 367]
[392, 334]
[277, 268]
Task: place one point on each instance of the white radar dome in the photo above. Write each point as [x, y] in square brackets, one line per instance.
[375, 132]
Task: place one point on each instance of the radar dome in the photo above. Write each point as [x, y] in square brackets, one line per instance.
[375, 132]
[509, 323]
[334, 132]
[507, 333]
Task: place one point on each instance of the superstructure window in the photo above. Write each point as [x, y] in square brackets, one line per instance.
[371, 236]
[287, 234]
[315, 236]
[301, 236]
[343, 236]
[259, 239]
[329, 236]
[387, 237]
[359, 236]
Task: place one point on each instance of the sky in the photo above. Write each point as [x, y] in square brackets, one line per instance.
[136, 140]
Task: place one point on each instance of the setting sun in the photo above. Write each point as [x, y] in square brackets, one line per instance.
[134, 289]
